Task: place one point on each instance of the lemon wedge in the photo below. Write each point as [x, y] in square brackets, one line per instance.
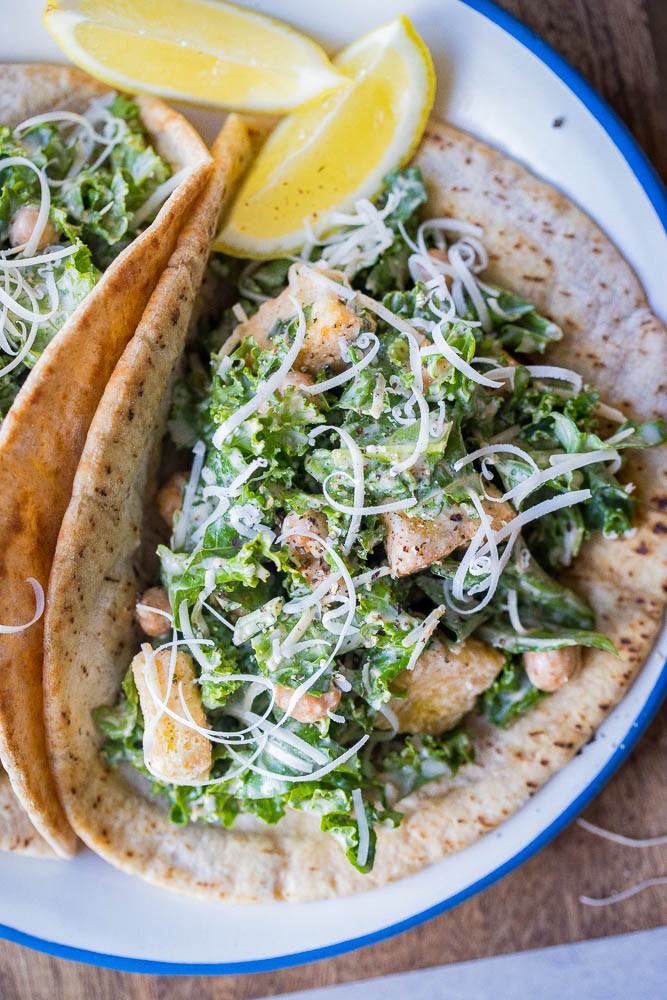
[323, 158]
[198, 51]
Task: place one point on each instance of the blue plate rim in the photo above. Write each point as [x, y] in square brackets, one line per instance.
[657, 195]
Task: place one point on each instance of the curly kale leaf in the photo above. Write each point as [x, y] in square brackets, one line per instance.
[411, 761]
[500, 632]
[267, 280]
[517, 325]
[123, 726]
[282, 428]
[335, 805]
[510, 696]
[543, 601]
[647, 435]
[390, 271]
[103, 201]
[557, 536]
[528, 404]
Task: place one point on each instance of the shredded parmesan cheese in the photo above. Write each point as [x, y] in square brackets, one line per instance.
[39, 609]
[158, 196]
[491, 450]
[422, 634]
[560, 465]
[539, 371]
[510, 532]
[199, 452]
[384, 508]
[362, 824]
[618, 838]
[513, 611]
[456, 361]
[618, 897]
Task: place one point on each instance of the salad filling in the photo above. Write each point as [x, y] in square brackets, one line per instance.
[366, 544]
[75, 190]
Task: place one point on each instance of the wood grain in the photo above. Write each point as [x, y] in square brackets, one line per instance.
[621, 47]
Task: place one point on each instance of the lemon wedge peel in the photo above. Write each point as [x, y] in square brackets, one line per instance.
[210, 54]
[326, 156]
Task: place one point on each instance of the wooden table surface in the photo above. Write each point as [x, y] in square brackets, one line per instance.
[621, 47]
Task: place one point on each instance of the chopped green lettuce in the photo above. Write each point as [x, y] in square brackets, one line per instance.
[412, 761]
[510, 696]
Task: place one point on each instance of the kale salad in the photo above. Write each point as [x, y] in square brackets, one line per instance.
[383, 483]
[75, 190]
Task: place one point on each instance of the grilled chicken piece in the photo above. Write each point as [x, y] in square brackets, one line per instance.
[306, 554]
[170, 496]
[413, 544]
[176, 753]
[152, 622]
[444, 685]
[331, 327]
[23, 224]
[550, 669]
[310, 707]
[298, 379]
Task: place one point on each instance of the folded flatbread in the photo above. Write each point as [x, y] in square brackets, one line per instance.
[540, 245]
[44, 432]
[17, 833]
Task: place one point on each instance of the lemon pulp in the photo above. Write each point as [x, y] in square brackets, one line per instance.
[206, 52]
[336, 150]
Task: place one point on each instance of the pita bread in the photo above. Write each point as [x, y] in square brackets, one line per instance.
[530, 230]
[17, 833]
[42, 436]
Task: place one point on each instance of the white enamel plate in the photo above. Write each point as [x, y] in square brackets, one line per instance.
[499, 81]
